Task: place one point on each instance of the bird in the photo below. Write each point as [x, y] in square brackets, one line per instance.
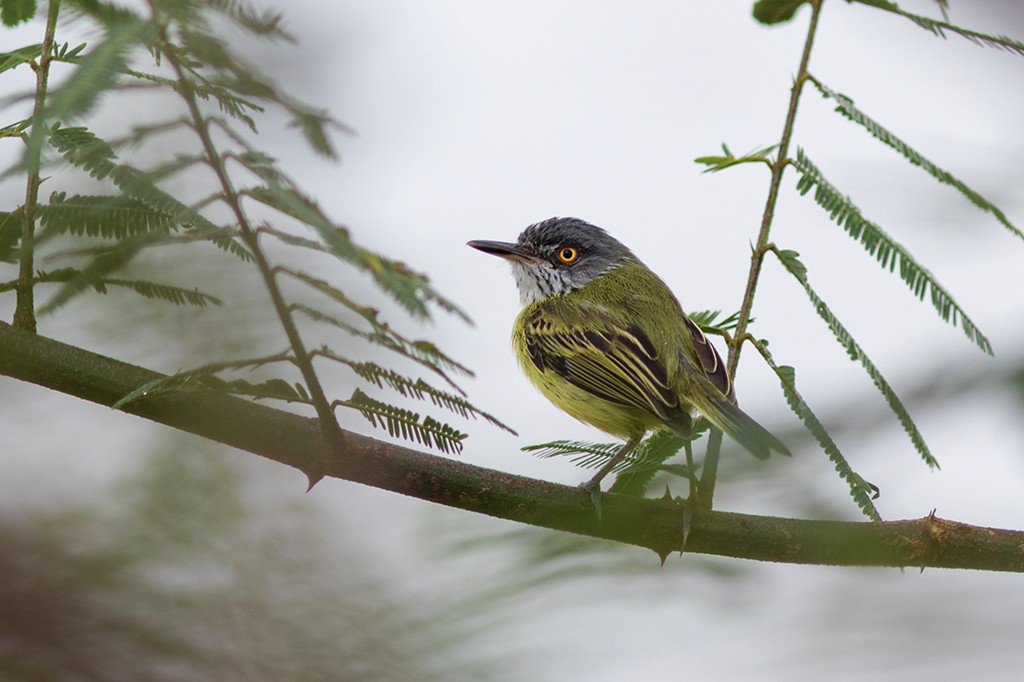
[605, 340]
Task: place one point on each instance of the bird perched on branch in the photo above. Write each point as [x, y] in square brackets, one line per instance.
[604, 339]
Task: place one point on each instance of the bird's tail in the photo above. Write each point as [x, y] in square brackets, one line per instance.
[742, 428]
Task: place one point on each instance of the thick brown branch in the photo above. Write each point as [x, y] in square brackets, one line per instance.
[298, 441]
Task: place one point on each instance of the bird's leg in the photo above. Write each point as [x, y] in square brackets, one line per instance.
[593, 486]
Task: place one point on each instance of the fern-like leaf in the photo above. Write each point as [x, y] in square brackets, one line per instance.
[846, 108]
[790, 260]
[410, 289]
[271, 389]
[861, 491]
[651, 456]
[109, 217]
[225, 240]
[422, 352]
[98, 69]
[165, 292]
[82, 148]
[204, 378]
[884, 248]
[229, 103]
[582, 453]
[93, 274]
[939, 28]
[145, 288]
[401, 423]
[412, 388]
[258, 22]
[369, 314]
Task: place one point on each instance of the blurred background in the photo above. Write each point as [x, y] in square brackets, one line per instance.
[135, 552]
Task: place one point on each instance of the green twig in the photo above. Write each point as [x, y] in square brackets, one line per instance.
[25, 308]
[328, 423]
[707, 486]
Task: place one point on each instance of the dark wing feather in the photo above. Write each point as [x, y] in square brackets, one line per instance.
[617, 365]
[710, 361]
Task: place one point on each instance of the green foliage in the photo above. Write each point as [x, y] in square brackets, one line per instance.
[410, 289]
[581, 453]
[93, 273]
[420, 351]
[109, 217]
[638, 467]
[413, 388]
[177, 48]
[792, 263]
[99, 69]
[846, 108]
[162, 292]
[887, 251]
[145, 288]
[861, 491]
[205, 379]
[14, 12]
[15, 129]
[727, 159]
[770, 12]
[939, 28]
[83, 149]
[406, 424]
[23, 55]
[708, 321]
[651, 457]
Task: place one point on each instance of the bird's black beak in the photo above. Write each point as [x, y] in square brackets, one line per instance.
[502, 250]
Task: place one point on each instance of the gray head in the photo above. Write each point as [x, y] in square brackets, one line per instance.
[558, 255]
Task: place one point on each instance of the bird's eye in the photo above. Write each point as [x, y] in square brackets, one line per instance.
[568, 254]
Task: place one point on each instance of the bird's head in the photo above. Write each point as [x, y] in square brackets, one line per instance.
[558, 255]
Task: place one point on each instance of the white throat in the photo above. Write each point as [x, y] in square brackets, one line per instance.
[537, 282]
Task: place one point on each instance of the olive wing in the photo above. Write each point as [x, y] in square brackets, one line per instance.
[619, 365]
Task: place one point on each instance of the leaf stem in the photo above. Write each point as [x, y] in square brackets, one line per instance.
[328, 423]
[707, 486]
[25, 309]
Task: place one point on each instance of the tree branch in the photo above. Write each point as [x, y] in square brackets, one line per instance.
[652, 523]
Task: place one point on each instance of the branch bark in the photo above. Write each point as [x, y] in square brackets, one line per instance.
[652, 523]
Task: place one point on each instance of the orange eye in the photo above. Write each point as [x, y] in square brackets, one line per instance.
[568, 254]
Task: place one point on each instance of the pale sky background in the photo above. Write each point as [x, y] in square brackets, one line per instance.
[474, 120]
